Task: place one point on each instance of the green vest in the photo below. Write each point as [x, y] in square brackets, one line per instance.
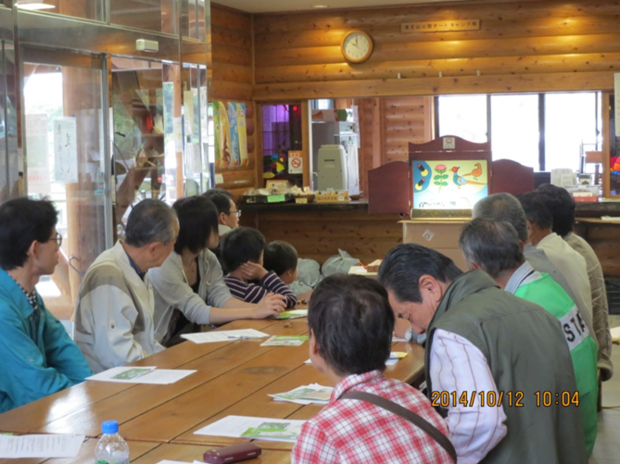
[526, 352]
[541, 289]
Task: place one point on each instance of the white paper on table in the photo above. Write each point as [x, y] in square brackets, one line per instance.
[398, 339]
[223, 335]
[391, 362]
[308, 361]
[152, 375]
[40, 446]
[235, 426]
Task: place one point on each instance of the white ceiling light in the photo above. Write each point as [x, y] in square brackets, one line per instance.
[34, 5]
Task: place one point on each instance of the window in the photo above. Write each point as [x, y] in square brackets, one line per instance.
[514, 128]
[464, 116]
[568, 122]
[570, 128]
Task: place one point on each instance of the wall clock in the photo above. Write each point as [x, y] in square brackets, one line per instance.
[356, 46]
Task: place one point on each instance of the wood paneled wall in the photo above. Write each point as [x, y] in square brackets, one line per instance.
[542, 45]
[319, 234]
[387, 125]
[232, 81]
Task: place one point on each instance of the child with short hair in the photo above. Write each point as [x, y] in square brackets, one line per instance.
[241, 253]
[351, 326]
[281, 257]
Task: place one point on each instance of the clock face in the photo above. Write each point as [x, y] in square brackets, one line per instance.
[356, 47]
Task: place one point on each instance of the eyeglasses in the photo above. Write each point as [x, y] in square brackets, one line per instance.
[57, 239]
[236, 213]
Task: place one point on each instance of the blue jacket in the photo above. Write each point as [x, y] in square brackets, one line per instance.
[33, 370]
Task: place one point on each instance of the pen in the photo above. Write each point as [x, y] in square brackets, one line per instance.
[241, 338]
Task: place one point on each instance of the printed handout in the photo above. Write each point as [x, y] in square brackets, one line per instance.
[224, 335]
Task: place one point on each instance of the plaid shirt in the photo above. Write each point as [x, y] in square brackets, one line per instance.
[354, 431]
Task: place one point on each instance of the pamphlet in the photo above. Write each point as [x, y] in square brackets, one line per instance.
[224, 335]
[306, 394]
[293, 314]
[280, 431]
[285, 340]
[61, 445]
[254, 427]
[149, 375]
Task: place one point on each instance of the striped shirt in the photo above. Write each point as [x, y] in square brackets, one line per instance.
[253, 293]
[459, 366]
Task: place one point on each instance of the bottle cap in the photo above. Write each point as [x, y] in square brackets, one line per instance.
[110, 426]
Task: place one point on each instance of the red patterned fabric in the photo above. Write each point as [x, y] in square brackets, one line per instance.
[354, 431]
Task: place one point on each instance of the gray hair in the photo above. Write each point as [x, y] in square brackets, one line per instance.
[492, 245]
[503, 207]
[150, 221]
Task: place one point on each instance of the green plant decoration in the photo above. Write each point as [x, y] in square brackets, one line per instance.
[440, 177]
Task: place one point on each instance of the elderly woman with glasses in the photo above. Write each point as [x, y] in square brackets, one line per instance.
[37, 357]
[189, 287]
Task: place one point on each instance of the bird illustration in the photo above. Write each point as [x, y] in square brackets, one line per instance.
[420, 184]
[423, 170]
[458, 180]
[476, 172]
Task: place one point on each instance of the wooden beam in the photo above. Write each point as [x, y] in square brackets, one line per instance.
[540, 82]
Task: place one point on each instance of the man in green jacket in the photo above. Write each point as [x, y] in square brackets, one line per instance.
[492, 362]
[37, 357]
[494, 247]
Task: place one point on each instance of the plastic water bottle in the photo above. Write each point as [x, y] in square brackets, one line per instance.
[111, 448]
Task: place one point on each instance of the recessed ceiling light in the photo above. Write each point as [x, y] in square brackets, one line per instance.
[320, 6]
[34, 5]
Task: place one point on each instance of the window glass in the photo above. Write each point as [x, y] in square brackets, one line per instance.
[158, 15]
[514, 128]
[570, 128]
[87, 9]
[464, 116]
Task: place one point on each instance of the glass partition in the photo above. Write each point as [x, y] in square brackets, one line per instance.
[154, 15]
[64, 141]
[147, 134]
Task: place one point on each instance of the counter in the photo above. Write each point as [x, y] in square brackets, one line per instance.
[318, 230]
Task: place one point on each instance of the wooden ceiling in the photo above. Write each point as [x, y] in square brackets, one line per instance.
[272, 6]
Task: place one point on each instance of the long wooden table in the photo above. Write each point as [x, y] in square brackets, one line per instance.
[159, 421]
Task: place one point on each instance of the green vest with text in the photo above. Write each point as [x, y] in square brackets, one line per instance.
[541, 289]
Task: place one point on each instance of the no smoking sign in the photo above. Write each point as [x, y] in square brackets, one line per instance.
[295, 162]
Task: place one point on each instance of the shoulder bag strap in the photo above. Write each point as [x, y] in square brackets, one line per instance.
[405, 413]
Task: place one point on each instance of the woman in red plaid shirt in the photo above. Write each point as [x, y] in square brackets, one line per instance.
[351, 326]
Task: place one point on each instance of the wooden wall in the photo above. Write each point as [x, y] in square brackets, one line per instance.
[387, 125]
[319, 234]
[531, 45]
[232, 81]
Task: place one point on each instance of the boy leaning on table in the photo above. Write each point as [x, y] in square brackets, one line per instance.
[351, 326]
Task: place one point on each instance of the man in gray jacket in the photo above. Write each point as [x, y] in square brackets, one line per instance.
[114, 314]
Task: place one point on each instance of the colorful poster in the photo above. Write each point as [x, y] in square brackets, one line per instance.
[224, 129]
[449, 184]
[243, 134]
[230, 135]
[235, 157]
